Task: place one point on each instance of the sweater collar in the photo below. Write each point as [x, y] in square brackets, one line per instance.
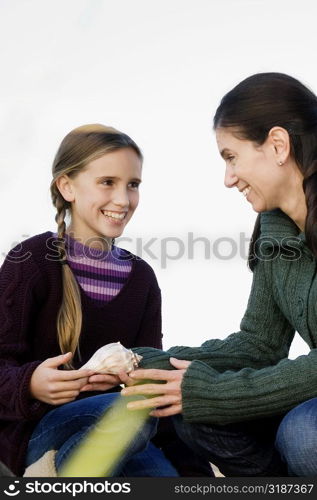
[276, 224]
[76, 249]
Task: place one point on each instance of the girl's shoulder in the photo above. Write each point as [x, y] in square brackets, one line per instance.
[26, 267]
[32, 251]
[36, 243]
[139, 264]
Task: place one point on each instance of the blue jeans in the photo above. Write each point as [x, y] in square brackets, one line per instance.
[296, 439]
[280, 446]
[240, 449]
[64, 427]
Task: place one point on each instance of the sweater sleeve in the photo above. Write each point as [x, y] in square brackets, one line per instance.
[246, 376]
[18, 276]
[150, 333]
[221, 398]
[264, 338]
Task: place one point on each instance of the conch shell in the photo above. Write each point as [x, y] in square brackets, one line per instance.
[113, 358]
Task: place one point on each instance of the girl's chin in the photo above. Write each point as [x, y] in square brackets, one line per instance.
[111, 235]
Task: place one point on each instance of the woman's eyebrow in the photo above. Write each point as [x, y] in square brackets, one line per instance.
[224, 152]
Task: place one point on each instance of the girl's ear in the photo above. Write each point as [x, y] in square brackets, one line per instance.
[65, 187]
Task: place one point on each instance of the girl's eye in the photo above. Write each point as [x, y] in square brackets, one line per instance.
[230, 158]
[107, 182]
[134, 185]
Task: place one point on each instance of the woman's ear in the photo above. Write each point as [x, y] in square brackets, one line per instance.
[65, 187]
[278, 138]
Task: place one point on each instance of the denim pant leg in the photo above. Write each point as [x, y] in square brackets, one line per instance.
[296, 439]
[150, 462]
[238, 450]
[64, 427]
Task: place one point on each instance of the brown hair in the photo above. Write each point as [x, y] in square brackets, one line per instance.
[265, 100]
[81, 146]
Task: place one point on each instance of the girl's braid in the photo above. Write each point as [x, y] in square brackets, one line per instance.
[60, 205]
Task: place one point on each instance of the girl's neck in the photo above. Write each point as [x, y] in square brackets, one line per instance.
[101, 243]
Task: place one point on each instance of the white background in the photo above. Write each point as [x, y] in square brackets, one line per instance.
[156, 70]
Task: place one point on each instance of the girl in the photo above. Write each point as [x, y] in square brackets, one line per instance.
[240, 401]
[63, 296]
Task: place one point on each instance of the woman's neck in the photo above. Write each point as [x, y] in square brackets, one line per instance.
[294, 204]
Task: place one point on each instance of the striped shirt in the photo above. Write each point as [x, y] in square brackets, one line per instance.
[101, 274]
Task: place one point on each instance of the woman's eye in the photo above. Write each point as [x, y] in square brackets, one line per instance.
[230, 158]
[107, 182]
[134, 185]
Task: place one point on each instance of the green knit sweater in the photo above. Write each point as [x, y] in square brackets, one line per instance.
[248, 375]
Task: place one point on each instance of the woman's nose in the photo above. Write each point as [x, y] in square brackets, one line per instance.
[230, 177]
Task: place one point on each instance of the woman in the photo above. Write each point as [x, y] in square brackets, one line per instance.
[240, 401]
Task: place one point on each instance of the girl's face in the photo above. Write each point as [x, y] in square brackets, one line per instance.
[253, 170]
[104, 195]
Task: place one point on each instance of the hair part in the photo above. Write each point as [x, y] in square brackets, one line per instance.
[261, 102]
[81, 146]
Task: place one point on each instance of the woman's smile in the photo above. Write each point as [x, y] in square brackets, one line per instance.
[245, 191]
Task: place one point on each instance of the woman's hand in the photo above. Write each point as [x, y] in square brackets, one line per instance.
[168, 395]
[99, 382]
[126, 379]
[56, 387]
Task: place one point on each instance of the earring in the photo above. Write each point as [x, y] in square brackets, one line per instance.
[280, 162]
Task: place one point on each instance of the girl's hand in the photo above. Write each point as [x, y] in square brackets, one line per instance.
[168, 395]
[56, 387]
[100, 382]
[105, 382]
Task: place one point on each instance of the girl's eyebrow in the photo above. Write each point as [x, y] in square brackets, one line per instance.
[110, 177]
[113, 178]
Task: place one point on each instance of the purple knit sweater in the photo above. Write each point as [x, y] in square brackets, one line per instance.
[30, 297]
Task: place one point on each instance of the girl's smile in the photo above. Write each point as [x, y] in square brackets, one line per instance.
[103, 196]
[117, 219]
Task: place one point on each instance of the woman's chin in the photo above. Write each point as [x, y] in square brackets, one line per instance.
[259, 206]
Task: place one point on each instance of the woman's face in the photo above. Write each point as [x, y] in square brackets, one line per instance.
[104, 195]
[253, 170]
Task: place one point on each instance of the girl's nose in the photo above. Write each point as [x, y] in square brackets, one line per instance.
[230, 177]
[121, 198]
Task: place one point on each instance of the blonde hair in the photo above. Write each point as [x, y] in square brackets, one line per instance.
[81, 146]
